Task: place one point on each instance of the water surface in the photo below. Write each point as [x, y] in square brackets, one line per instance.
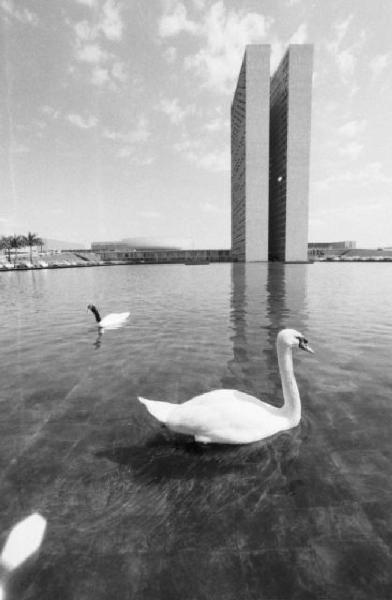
[136, 512]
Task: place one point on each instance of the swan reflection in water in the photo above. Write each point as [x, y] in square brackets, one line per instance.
[98, 341]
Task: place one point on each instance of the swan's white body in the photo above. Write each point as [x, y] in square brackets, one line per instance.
[24, 539]
[233, 417]
[112, 321]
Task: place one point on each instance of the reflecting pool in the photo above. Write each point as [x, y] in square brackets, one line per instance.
[137, 512]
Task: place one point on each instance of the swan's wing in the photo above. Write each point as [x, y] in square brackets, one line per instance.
[225, 415]
[230, 398]
[114, 319]
[117, 316]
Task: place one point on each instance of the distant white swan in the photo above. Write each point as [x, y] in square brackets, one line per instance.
[232, 417]
[111, 321]
[24, 539]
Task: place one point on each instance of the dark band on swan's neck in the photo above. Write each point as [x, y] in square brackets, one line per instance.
[96, 314]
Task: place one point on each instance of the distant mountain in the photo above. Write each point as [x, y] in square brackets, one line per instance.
[60, 245]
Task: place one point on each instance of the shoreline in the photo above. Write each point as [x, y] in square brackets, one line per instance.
[14, 269]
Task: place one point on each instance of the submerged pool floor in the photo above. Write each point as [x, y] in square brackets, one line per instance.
[162, 517]
[135, 512]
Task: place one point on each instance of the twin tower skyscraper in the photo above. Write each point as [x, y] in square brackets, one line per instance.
[270, 150]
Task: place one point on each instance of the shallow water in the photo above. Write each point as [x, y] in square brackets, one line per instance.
[137, 512]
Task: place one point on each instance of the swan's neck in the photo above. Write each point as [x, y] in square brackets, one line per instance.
[96, 314]
[292, 401]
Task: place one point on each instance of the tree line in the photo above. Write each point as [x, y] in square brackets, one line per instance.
[11, 243]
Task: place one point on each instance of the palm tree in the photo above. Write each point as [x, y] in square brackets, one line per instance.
[5, 244]
[32, 239]
[16, 241]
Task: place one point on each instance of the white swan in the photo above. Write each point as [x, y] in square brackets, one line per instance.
[111, 321]
[232, 417]
[24, 539]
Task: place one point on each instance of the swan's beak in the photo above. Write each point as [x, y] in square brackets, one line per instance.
[303, 344]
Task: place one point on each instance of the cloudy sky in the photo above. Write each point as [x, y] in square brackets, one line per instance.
[114, 115]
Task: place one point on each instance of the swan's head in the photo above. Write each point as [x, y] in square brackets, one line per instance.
[91, 307]
[293, 339]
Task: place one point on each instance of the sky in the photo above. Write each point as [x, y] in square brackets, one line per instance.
[114, 115]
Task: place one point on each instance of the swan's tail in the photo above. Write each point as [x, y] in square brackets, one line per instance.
[24, 539]
[159, 410]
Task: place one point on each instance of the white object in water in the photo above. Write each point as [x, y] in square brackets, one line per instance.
[233, 417]
[111, 321]
[24, 539]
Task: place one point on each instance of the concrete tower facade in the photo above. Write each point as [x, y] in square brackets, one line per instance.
[290, 120]
[250, 157]
[271, 126]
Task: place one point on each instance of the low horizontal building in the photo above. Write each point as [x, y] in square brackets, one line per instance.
[154, 250]
[324, 248]
[149, 256]
[141, 243]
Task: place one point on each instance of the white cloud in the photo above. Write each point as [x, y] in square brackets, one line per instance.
[22, 15]
[170, 54]
[134, 157]
[215, 161]
[90, 3]
[196, 152]
[105, 68]
[99, 76]
[118, 72]
[346, 61]
[176, 21]
[278, 48]
[50, 111]
[83, 123]
[372, 174]
[379, 63]
[345, 58]
[20, 149]
[341, 29]
[111, 24]
[225, 34]
[218, 124]
[351, 150]
[140, 133]
[85, 31]
[125, 152]
[174, 111]
[352, 128]
[300, 36]
[91, 53]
